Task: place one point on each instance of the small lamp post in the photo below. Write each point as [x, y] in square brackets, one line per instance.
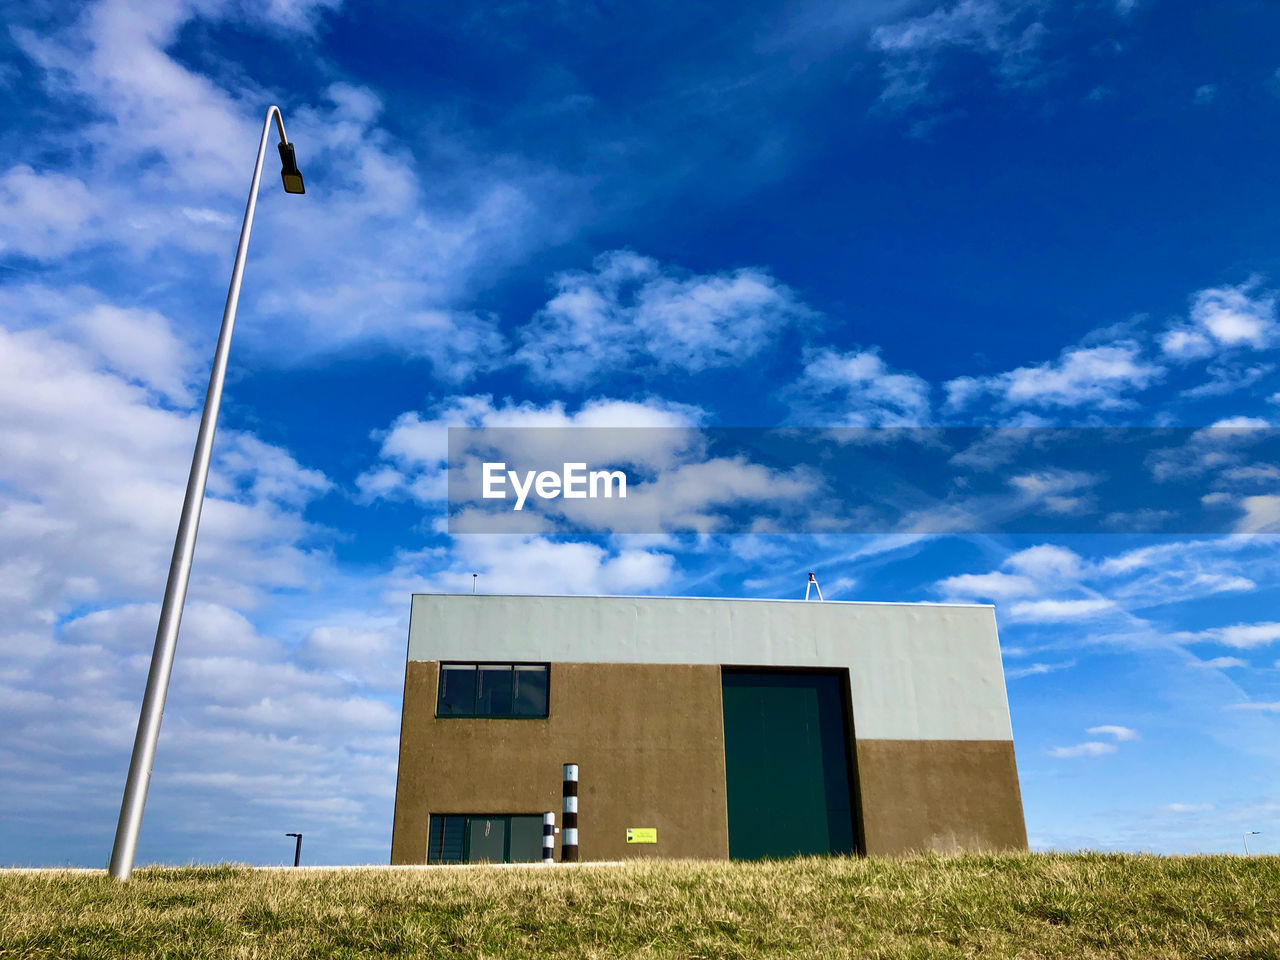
[297, 850]
[1245, 839]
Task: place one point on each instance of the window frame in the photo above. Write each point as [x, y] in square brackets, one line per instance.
[467, 818]
[477, 665]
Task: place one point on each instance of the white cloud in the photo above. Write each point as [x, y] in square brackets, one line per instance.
[841, 586]
[1050, 488]
[1233, 317]
[1260, 707]
[1188, 807]
[414, 251]
[1032, 573]
[987, 586]
[415, 451]
[1048, 584]
[1110, 730]
[1184, 570]
[1205, 93]
[677, 485]
[1047, 562]
[1184, 343]
[291, 711]
[94, 464]
[1217, 451]
[1098, 748]
[254, 471]
[1037, 669]
[1239, 424]
[1103, 377]
[857, 389]
[1222, 583]
[1224, 318]
[536, 565]
[1006, 31]
[1254, 472]
[164, 138]
[92, 480]
[299, 16]
[1226, 379]
[1241, 635]
[43, 215]
[208, 630]
[1059, 611]
[1090, 749]
[1261, 514]
[630, 310]
[370, 653]
[139, 345]
[115, 56]
[692, 495]
[1219, 663]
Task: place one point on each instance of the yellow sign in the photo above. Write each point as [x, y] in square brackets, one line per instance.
[642, 834]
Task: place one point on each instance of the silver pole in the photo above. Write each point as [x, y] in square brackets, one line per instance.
[175, 591]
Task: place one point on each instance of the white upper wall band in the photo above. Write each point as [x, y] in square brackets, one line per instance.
[916, 671]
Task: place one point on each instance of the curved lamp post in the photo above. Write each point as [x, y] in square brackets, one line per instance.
[1245, 839]
[175, 591]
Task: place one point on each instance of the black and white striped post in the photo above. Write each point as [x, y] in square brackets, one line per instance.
[569, 831]
[548, 838]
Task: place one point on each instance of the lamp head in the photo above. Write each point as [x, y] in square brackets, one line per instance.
[289, 171]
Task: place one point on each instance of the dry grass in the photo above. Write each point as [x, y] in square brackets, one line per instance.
[1028, 906]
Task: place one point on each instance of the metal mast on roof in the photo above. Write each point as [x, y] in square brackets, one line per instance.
[813, 582]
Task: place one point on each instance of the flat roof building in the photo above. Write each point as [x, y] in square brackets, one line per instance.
[703, 728]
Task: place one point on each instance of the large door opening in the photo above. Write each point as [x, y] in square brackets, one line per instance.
[787, 758]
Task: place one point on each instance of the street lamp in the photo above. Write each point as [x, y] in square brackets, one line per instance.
[289, 172]
[297, 850]
[175, 591]
[1245, 839]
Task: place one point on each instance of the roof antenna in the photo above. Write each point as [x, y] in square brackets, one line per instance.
[474, 578]
[813, 582]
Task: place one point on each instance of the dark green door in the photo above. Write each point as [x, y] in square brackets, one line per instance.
[786, 766]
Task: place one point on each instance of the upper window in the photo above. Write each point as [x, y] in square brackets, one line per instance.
[493, 690]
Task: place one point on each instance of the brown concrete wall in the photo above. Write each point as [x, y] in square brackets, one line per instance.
[648, 740]
[944, 795]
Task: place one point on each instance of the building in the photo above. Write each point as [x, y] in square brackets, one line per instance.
[718, 728]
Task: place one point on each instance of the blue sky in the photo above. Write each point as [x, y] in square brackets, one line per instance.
[985, 213]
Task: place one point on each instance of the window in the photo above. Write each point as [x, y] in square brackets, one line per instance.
[483, 838]
[493, 690]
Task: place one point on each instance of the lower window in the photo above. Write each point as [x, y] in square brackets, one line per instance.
[484, 838]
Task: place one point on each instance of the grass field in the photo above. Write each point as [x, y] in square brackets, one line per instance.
[1029, 905]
